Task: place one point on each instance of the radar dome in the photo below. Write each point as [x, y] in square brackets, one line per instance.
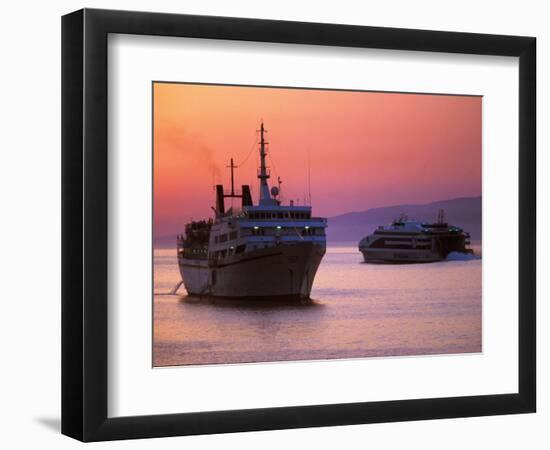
[274, 191]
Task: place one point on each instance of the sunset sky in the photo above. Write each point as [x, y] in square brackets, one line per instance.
[365, 149]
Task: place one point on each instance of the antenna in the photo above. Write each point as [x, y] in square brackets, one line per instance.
[309, 176]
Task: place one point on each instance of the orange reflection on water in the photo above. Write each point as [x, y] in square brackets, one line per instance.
[360, 310]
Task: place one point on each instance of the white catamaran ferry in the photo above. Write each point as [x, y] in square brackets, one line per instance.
[264, 251]
[408, 241]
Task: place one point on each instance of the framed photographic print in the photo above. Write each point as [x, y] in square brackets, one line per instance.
[273, 224]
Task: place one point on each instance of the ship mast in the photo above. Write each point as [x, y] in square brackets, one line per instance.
[265, 196]
[232, 166]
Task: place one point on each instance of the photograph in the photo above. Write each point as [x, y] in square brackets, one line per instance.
[301, 224]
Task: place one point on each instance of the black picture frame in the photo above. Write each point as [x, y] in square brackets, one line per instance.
[84, 224]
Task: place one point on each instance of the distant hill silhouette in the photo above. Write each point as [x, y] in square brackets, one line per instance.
[464, 212]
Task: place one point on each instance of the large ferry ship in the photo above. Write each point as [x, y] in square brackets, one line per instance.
[264, 251]
[405, 241]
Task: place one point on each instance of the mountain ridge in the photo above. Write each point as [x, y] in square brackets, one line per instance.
[464, 212]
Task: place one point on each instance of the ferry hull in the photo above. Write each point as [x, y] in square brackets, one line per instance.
[279, 272]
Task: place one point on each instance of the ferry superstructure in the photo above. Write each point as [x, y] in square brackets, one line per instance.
[264, 251]
[405, 241]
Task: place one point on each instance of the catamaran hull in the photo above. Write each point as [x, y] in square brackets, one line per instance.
[284, 271]
[400, 256]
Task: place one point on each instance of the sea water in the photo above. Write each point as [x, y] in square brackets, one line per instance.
[358, 310]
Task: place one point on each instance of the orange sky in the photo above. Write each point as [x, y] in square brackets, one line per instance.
[366, 149]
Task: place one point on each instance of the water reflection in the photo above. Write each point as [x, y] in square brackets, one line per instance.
[358, 310]
[250, 303]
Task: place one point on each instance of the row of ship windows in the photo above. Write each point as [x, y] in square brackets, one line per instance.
[226, 237]
[393, 243]
[279, 215]
[402, 239]
[267, 231]
[227, 252]
[199, 252]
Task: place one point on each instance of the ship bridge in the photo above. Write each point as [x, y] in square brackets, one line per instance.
[288, 223]
[260, 226]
